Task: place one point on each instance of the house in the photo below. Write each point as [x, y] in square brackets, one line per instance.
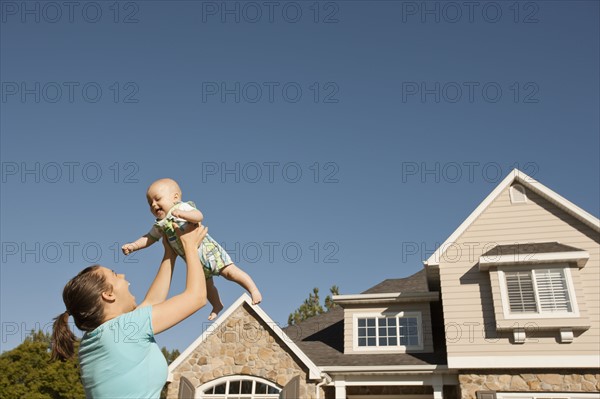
[508, 307]
[520, 286]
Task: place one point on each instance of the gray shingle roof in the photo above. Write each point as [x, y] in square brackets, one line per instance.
[415, 283]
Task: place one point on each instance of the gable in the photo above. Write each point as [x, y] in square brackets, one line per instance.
[535, 233]
[530, 224]
[244, 334]
[500, 196]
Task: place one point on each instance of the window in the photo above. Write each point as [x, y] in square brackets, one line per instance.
[538, 291]
[240, 388]
[390, 332]
[534, 285]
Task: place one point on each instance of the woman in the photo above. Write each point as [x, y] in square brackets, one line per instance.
[118, 355]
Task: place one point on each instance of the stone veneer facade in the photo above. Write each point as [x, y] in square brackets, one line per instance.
[242, 346]
[584, 381]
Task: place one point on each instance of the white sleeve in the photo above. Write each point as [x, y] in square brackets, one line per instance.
[155, 233]
[187, 206]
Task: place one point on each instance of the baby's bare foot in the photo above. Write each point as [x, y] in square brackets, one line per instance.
[215, 312]
[256, 297]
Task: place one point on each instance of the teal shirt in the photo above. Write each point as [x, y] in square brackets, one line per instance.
[120, 359]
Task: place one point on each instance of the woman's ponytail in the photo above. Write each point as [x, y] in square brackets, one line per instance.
[63, 339]
[82, 297]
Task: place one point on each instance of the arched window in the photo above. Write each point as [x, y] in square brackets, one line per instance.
[239, 387]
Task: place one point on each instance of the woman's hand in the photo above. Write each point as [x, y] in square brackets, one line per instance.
[192, 235]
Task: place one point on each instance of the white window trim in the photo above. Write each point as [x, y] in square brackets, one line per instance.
[545, 395]
[229, 378]
[386, 349]
[398, 396]
[570, 288]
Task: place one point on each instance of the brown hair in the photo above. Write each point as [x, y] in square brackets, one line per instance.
[82, 297]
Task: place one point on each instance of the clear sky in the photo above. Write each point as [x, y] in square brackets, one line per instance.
[326, 142]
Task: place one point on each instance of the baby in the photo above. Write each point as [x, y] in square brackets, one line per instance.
[164, 198]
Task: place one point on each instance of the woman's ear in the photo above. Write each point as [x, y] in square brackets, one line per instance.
[108, 296]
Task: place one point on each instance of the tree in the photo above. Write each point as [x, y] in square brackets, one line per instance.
[28, 372]
[170, 356]
[312, 306]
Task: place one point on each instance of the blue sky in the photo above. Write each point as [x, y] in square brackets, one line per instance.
[324, 141]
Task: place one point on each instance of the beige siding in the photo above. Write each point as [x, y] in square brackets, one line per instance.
[469, 304]
[422, 308]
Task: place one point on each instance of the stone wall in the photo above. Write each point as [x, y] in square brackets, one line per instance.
[540, 381]
[242, 345]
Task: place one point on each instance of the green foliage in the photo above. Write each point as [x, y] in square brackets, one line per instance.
[170, 356]
[312, 306]
[28, 372]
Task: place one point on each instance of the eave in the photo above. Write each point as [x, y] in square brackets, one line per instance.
[386, 298]
[578, 257]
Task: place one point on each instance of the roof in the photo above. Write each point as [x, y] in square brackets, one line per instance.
[532, 253]
[415, 283]
[246, 301]
[516, 176]
[321, 337]
[529, 248]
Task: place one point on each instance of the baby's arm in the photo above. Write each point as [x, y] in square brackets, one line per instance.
[192, 216]
[140, 243]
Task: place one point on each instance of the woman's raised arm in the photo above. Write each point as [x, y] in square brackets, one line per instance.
[167, 313]
[159, 289]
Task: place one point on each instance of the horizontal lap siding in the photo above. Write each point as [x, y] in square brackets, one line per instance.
[467, 292]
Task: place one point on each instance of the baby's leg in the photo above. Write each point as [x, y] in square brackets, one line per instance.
[234, 273]
[212, 294]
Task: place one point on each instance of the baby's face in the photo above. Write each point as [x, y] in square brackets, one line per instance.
[161, 198]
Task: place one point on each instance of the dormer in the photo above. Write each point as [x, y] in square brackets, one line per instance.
[392, 317]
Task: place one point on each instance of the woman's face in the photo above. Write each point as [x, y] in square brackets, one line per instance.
[120, 289]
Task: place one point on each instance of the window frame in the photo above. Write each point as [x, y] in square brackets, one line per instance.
[566, 270]
[228, 379]
[387, 349]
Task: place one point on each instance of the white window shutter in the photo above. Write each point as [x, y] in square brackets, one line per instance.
[552, 290]
[521, 295]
